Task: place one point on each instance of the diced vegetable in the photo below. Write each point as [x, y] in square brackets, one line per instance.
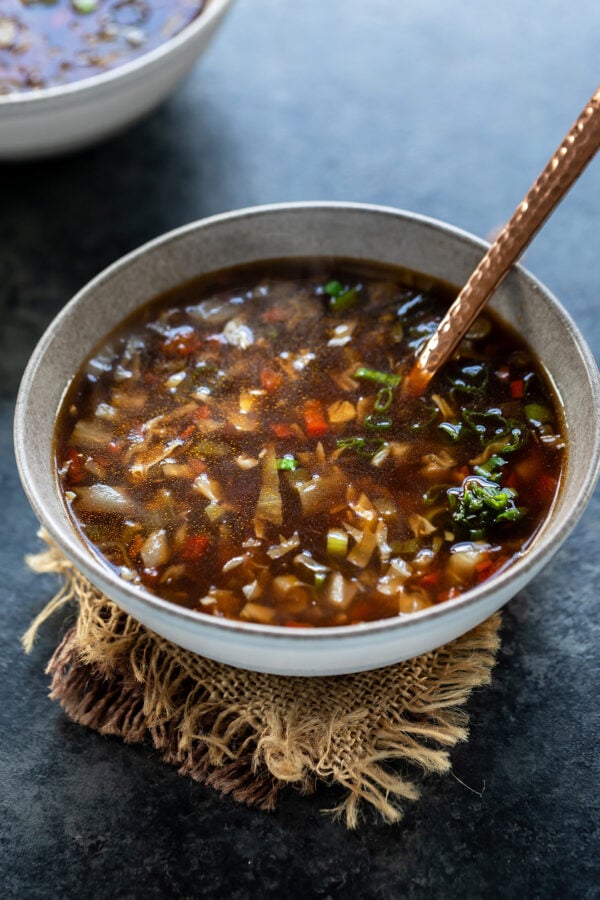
[464, 560]
[271, 380]
[307, 562]
[90, 435]
[181, 341]
[340, 412]
[285, 545]
[256, 612]
[342, 334]
[208, 487]
[238, 334]
[155, 549]
[195, 547]
[420, 526]
[320, 492]
[362, 552]
[103, 498]
[315, 423]
[337, 542]
[339, 591]
[269, 506]
[246, 462]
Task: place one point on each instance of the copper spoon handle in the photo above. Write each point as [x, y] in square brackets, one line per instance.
[569, 161]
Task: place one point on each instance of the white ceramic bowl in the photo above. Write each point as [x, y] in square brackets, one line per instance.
[56, 119]
[308, 229]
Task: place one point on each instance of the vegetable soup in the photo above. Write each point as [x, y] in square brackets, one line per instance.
[243, 446]
[52, 42]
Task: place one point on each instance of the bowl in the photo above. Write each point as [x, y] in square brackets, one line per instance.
[57, 119]
[307, 229]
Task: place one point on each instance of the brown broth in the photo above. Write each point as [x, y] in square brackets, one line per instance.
[242, 446]
[50, 43]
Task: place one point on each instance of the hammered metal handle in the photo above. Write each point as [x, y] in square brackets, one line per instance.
[569, 161]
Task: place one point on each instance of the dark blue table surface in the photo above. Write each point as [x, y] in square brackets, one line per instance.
[447, 109]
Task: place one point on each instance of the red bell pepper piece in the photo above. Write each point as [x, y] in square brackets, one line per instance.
[195, 547]
[315, 422]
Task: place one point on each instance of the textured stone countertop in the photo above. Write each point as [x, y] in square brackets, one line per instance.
[447, 109]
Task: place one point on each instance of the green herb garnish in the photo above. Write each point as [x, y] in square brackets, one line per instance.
[333, 288]
[491, 468]
[480, 504]
[287, 463]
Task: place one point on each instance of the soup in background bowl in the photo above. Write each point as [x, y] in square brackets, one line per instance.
[110, 63]
[370, 531]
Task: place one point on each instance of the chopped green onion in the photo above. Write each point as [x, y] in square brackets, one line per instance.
[435, 493]
[378, 422]
[383, 400]
[337, 542]
[320, 578]
[538, 414]
[342, 302]
[333, 288]
[454, 430]
[397, 332]
[405, 547]
[490, 468]
[353, 443]
[387, 378]
[431, 413]
[518, 435]
[85, 6]
[287, 463]
[485, 422]
[363, 446]
[492, 426]
[470, 379]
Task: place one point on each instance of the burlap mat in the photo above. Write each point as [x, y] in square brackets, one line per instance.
[248, 734]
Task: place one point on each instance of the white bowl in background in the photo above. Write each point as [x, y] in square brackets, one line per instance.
[306, 229]
[54, 120]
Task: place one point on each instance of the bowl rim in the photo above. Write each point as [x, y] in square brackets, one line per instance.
[71, 90]
[74, 548]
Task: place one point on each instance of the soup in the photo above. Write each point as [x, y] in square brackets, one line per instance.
[243, 446]
[53, 42]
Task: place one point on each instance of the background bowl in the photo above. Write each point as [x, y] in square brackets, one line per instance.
[308, 229]
[56, 119]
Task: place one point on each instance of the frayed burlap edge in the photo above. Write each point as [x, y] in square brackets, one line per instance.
[249, 734]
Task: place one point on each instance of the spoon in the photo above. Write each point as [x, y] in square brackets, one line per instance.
[576, 151]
